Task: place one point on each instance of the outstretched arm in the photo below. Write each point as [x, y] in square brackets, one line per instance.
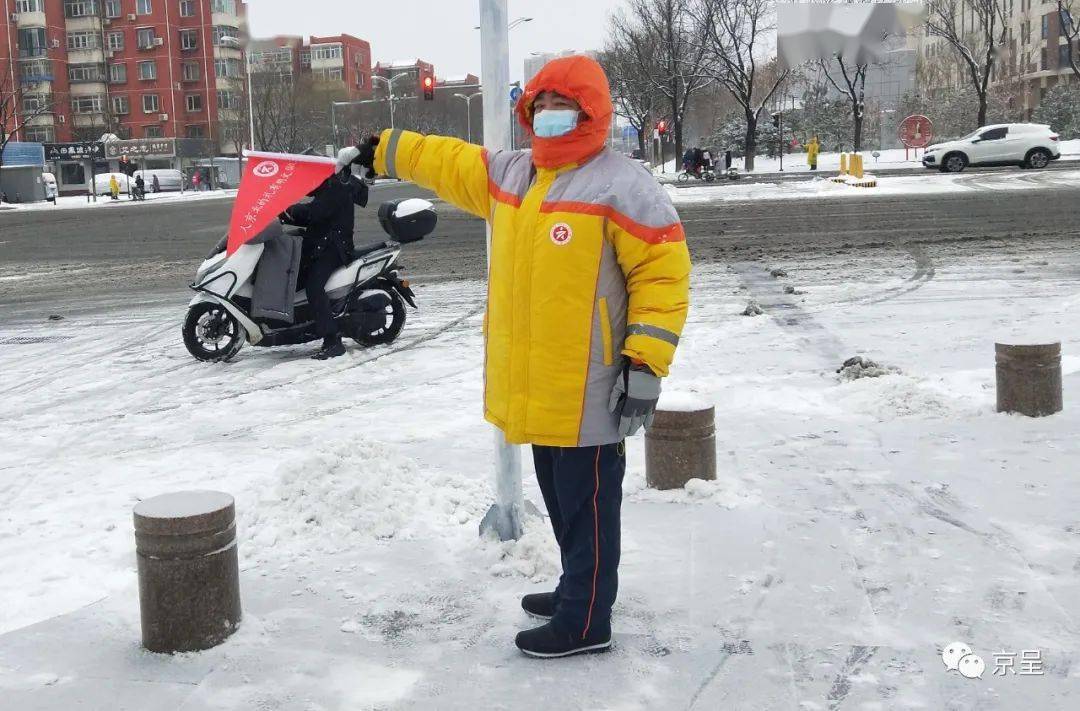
[454, 169]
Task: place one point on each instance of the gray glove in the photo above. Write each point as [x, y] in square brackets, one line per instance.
[634, 398]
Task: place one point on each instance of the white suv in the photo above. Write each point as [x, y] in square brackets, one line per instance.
[1028, 145]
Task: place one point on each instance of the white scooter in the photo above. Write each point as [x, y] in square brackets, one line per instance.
[367, 295]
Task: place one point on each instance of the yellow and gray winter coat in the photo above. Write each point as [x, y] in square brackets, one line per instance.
[588, 267]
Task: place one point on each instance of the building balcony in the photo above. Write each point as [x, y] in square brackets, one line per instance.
[33, 52]
[27, 20]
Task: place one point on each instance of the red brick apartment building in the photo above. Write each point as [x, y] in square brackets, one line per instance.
[343, 60]
[135, 68]
[416, 69]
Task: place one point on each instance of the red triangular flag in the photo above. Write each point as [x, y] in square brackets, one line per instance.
[272, 183]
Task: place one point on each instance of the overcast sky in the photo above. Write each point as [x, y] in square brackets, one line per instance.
[438, 31]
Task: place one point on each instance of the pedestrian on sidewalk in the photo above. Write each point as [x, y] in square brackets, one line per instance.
[114, 187]
[588, 290]
[812, 149]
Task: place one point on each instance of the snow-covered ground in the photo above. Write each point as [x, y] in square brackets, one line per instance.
[890, 159]
[734, 191]
[79, 201]
[855, 528]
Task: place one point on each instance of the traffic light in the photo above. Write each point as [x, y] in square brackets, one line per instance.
[661, 127]
[429, 88]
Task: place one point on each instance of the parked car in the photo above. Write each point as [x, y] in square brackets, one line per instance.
[1028, 145]
[168, 178]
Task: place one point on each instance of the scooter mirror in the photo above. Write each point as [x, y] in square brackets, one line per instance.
[408, 220]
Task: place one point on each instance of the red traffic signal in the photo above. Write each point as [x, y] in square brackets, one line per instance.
[429, 88]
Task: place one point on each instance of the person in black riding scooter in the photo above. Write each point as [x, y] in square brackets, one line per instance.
[328, 242]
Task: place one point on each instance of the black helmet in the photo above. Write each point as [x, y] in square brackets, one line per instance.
[408, 220]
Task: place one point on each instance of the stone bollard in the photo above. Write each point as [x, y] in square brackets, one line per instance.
[680, 445]
[189, 576]
[1029, 379]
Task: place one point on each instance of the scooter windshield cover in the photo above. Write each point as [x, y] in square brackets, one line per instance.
[272, 182]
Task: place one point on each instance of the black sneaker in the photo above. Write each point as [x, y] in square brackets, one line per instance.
[541, 605]
[332, 351]
[548, 642]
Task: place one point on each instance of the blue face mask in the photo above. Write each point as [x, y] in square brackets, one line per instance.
[549, 123]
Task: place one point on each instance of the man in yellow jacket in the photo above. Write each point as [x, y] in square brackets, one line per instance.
[587, 295]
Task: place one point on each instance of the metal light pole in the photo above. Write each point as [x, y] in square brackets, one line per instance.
[505, 515]
[390, 90]
[468, 109]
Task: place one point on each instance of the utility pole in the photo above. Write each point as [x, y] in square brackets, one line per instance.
[505, 515]
[390, 90]
[468, 109]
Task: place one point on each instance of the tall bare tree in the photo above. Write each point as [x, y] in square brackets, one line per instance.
[851, 82]
[291, 113]
[734, 33]
[14, 99]
[977, 30]
[1070, 30]
[632, 91]
[661, 39]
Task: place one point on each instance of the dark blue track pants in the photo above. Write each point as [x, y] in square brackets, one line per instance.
[582, 489]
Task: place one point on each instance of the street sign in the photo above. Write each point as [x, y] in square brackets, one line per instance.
[515, 94]
[140, 147]
[82, 150]
[916, 131]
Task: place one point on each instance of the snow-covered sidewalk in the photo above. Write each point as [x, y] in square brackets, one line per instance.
[855, 529]
[72, 202]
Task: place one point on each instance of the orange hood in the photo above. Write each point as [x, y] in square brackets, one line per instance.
[583, 80]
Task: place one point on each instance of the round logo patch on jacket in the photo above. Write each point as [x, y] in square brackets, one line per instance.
[561, 233]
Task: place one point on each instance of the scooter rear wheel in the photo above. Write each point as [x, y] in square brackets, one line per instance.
[392, 325]
[211, 333]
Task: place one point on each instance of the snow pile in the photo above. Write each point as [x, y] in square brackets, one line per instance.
[904, 396]
[682, 401]
[752, 309]
[859, 367]
[723, 493]
[534, 556]
[360, 491]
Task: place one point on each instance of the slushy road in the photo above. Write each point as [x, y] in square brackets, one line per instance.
[103, 258]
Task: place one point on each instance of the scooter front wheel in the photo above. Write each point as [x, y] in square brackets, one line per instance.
[211, 333]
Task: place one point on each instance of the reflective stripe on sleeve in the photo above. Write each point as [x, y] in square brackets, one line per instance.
[644, 329]
[391, 153]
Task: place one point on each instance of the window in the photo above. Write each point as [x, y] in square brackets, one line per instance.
[226, 36]
[1063, 56]
[227, 7]
[112, 8]
[147, 70]
[40, 70]
[194, 102]
[189, 39]
[152, 131]
[86, 104]
[72, 174]
[190, 71]
[195, 131]
[115, 41]
[32, 42]
[150, 103]
[994, 134]
[327, 74]
[83, 40]
[305, 58]
[33, 102]
[118, 73]
[227, 68]
[29, 5]
[143, 7]
[144, 37]
[80, 8]
[228, 100]
[326, 51]
[84, 72]
[1045, 26]
[121, 105]
[360, 80]
[187, 8]
[1042, 59]
[38, 134]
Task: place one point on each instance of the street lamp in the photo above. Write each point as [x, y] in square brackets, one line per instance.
[515, 23]
[390, 90]
[468, 108]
